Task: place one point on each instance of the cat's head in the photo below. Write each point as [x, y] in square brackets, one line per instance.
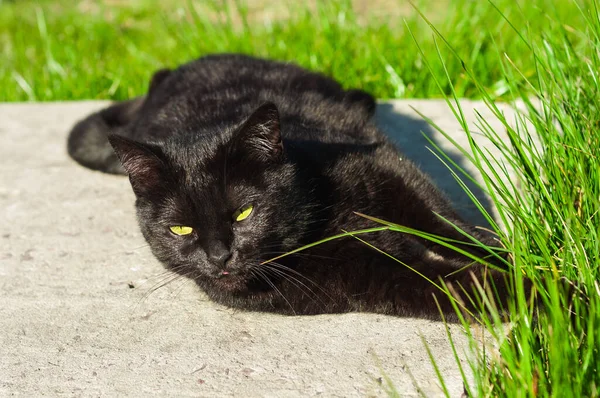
[215, 207]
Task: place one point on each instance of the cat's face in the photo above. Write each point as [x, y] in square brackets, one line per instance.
[214, 210]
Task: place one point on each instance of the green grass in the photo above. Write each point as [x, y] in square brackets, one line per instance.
[552, 209]
[543, 52]
[62, 50]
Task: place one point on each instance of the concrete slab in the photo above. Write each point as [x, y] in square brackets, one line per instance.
[85, 310]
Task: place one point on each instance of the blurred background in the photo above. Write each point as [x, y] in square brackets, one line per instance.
[69, 50]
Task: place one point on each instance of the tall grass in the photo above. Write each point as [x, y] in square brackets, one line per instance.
[551, 211]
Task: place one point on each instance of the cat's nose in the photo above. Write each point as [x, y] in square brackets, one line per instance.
[218, 253]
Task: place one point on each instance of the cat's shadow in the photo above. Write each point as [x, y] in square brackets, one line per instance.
[409, 134]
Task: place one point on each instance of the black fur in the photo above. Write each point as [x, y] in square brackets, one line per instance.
[229, 130]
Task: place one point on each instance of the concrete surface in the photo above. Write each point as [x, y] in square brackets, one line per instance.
[83, 313]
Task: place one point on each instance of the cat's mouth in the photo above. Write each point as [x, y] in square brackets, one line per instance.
[229, 281]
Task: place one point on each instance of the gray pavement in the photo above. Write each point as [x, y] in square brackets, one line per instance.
[83, 313]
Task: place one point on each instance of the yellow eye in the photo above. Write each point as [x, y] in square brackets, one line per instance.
[242, 213]
[181, 230]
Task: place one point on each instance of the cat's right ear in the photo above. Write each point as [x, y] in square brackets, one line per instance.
[158, 77]
[143, 163]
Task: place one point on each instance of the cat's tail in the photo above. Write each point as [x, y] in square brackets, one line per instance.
[88, 143]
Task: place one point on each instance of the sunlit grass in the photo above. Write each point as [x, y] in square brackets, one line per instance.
[64, 50]
[550, 211]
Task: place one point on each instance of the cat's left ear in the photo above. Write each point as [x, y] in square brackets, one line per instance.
[260, 137]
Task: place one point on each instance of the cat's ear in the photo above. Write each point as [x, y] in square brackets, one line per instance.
[260, 136]
[158, 77]
[143, 163]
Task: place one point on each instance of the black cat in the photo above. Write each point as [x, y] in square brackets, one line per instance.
[235, 160]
